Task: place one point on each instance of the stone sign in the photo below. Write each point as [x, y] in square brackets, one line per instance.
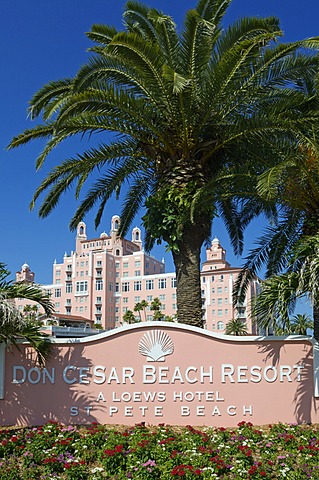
[162, 373]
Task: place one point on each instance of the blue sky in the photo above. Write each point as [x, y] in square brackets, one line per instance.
[43, 40]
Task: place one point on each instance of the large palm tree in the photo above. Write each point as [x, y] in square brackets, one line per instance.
[280, 293]
[289, 247]
[192, 108]
[13, 325]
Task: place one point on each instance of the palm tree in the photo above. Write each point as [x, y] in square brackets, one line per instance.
[301, 323]
[280, 293]
[13, 325]
[156, 308]
[129, 317]
[192, 109]
[289, 247]
[31, 312]
[141, 306]
[236, 327]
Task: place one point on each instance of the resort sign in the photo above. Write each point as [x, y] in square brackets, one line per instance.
[162, 373]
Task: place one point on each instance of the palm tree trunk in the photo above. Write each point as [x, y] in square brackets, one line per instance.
[316, 321]
[187, 264]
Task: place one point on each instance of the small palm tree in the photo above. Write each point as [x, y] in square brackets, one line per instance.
[141, 306]
[156, 308]
[236, 327]
[13, 325]
[129, 317]
[301, 323]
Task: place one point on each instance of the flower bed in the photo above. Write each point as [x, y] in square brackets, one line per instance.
[54, 451]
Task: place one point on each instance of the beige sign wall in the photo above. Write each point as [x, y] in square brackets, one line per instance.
[162, 373]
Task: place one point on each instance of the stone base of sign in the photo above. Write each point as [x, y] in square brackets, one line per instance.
[162, 373]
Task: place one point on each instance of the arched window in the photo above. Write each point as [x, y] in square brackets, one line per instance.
[220, 326]
[116, 224]
[117, 252]
[137, 236]
[81, 230]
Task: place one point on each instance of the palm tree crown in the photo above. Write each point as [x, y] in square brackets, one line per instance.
[13, 325]
[191, 110]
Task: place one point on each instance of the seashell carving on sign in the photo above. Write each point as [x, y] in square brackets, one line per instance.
[156, 345]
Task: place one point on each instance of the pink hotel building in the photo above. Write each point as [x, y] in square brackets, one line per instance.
[106, 276]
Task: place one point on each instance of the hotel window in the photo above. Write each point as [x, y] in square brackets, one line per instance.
[82, 273]
[98, 299]
[125, 274]
[220, 326]
[137, 273]
[213, 326]
[68, 301]
[137, 263]
[137, 299]
[117, 264]
[162, 297]
[213, 312]
[125, 286]
[58, 281]
[99, 263]
[117, 287]
[220, 313]
[163, 306]
[57, 292]
[173, 282]
[149, 298]
[68, 288]
[124, 309]
[219, 301]
[57, 305]
[99, 284]
[137, 285]
[220, 290]
[149, 284]
[98, 318]
[213, 301]
[225, 289]
[174, 306]
[149, 318]
[125, 265]
[173, 296]
[81, 287]
[226, 311]
[226, 300]
[58, 273]
[213, 290]
[82, 264]
[162, 283]
[110, 286]
[81, 309]
[125, 299]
